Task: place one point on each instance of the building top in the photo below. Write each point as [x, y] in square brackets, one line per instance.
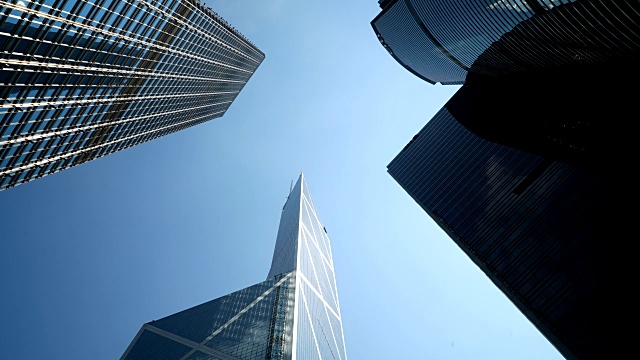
[226, 24]
[294, 314]
[384, 3]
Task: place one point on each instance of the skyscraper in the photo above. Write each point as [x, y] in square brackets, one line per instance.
[80, 79]
[294, 314]
[451, 42]
[523, 166]
[546, 232]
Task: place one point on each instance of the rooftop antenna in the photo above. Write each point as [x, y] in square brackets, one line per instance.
[290, 190]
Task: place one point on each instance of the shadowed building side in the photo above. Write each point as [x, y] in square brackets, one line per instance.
[525, 166]
[446, 41]
[544, 231]
[559, 114]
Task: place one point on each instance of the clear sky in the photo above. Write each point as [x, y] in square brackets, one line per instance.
[90, 254]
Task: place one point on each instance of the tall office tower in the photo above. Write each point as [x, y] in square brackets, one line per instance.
[82, 79]
[523, 167]
[454, 41]
[546, 232]
[294, 314]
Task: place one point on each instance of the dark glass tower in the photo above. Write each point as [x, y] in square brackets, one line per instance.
[524, 167]
[543, 76]
[294, 314]
[83, 79]
[449, 41]
[545, 231]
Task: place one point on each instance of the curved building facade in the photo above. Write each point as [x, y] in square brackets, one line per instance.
[446, 41]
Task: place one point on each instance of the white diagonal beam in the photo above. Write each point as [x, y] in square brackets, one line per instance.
[236, 316]
[192, 344]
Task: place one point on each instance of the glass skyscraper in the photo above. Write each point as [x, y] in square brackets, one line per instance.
[449, 41]
[294, 314]
[81, 79]
[524, 167]
[546, 232]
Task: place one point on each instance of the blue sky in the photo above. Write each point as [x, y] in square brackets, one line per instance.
[90, 254]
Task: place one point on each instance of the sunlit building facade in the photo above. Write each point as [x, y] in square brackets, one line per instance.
[294, 314]
[83, 79]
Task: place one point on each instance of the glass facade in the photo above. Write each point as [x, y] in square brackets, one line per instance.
[247, 324]
[573, 120]
[445, 41]
[524, 166]
[81, 79]
[317, 320]
[409, 44]
[543, 231]
[294, 314]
